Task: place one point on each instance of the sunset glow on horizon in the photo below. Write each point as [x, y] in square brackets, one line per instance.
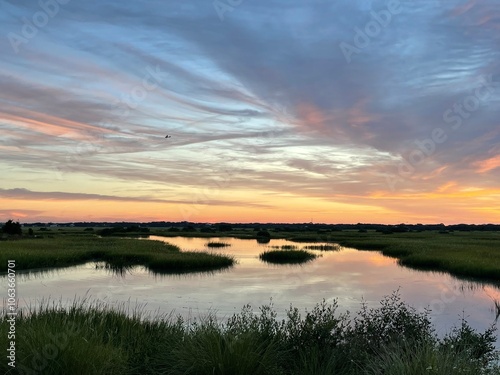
[332, 112]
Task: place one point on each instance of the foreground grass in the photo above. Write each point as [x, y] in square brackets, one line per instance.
[287, 256]
[88, 339]
[69, 250]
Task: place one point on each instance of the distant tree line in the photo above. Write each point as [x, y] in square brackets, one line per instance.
[285, 227]
[122, 230]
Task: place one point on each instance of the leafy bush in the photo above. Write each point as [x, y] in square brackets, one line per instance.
[394, 321]
[12, 228]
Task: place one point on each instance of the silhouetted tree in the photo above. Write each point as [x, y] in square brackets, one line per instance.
[11, 227]
[223, 227]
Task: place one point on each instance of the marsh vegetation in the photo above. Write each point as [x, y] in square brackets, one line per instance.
[70, 250]
[287, 256]
[90, 338]
[393, 339]
[332, 247]
[217, 244]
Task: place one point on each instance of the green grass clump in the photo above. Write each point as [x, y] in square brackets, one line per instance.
[284, 247]
[217, 244]
[287, 256]
[91, 338]
[289, 247]
[422, 358]
[323, 247]
[69, 250]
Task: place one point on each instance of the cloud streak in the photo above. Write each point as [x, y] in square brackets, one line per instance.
[267, 95]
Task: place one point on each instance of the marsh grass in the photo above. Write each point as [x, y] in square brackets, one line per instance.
[90, 338]
[465, 254]
[117, 253]
[289, 247]
[284, 247]
[333, 247]
[217, 244]
[418, 358]
[287, 256]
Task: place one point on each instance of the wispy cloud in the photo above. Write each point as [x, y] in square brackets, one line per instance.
[266, 94]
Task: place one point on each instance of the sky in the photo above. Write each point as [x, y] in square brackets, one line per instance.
[338, 111]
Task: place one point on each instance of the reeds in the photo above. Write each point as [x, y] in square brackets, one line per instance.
[217, 244]
[333, 247]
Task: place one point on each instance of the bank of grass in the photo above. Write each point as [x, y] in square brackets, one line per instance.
[469, 254]
[287, 256]
[89, 339]
[466, 254]
[70, 250]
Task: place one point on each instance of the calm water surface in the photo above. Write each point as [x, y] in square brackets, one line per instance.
[350, 276]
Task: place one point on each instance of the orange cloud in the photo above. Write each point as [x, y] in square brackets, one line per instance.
[341, 123]
[51, 125]
[446, 186]
[312, 118]
[488, 164]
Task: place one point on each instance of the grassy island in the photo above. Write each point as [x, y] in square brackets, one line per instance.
[63, 250]
[287, 256]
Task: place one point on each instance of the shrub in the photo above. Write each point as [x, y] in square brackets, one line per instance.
[263, 233]
[225, 228]
[464, 340]
[394, 320]
[12, 228]
[392, 339]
